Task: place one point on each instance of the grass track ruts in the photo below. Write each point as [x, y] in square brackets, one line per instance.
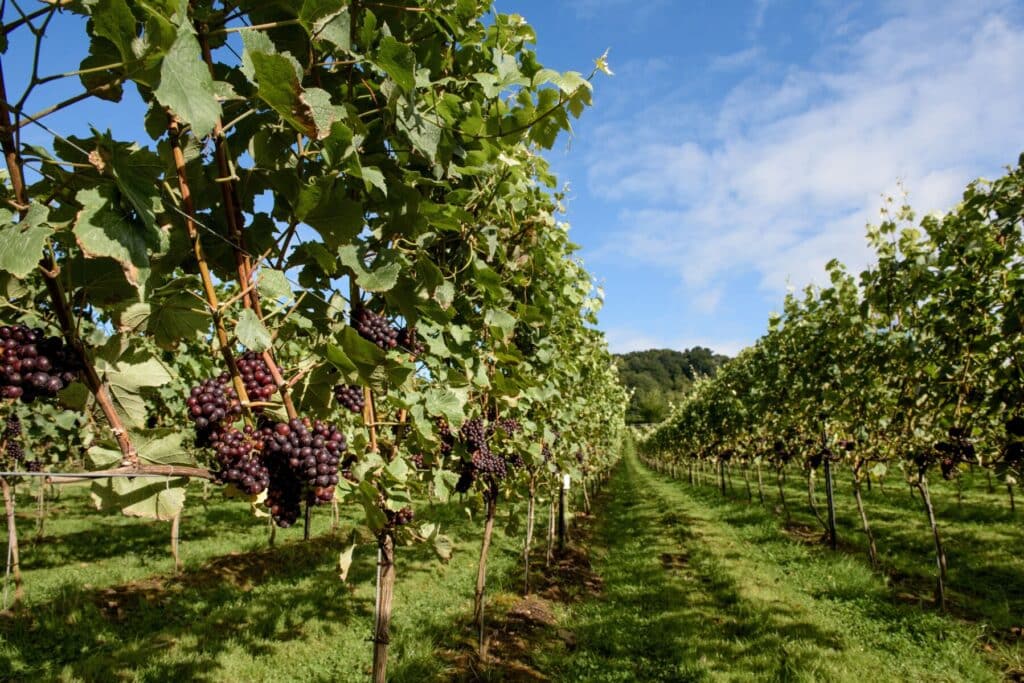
[700, 592]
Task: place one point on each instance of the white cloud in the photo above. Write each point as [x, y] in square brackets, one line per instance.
[621, 340]
[784, 173]
[735, 60]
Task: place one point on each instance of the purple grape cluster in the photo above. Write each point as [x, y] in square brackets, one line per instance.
[255, 373]
[956, 450]
[399, 518]
[12, 436]
[293, 461]
[410, 341]
[467, 475]
[375, 328]
[312, 451]
[418, 461]
[509, 425]
[474, 435]
[239, 455]
[33, 365]
[447, 438]
[212, 406]
[350, 396]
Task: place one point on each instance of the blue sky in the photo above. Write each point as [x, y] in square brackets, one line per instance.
[740, 145]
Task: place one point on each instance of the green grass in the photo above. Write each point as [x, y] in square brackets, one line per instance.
[103, 604]
[695, 588]
[703, 589]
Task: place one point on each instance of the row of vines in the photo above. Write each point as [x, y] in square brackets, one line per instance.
[333, 274]
[915, 367]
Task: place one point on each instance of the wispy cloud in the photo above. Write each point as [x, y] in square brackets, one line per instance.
[785, 171]
[735, 60]
[626, 340]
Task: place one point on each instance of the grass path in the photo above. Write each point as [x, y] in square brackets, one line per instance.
[700, 592]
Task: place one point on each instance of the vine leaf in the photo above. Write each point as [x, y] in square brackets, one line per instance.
[329, 20]
[345, 562]
[398, 62]
[21, 244]
[159, 499]
[273, 285]
[111, 19]
[172, 314]
[449, 403]
[103, 228]
[126, 380]
[380, 279]
[186, 86]
[251, 332]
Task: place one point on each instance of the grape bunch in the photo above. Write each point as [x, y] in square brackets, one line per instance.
[12, 436]
[410, 341]
[447, 438]
[350, 396]
[312, 450]
[467, 475]
[417, 461]
[32, 365]
[958, 449]
[515, 460]
[211, 406]
[474, 435]
[487, 462]
[255, 373]
[375, 328]
[238, 454]
[284, 494]
[399, 518]
[509, 425]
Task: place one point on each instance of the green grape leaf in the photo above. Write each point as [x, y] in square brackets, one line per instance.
[186, 86]
[251, 332]
[21, 244]
[380, 278]
[160, 499]
[398, 62]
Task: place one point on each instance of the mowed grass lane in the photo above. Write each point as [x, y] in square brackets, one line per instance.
[698, 592]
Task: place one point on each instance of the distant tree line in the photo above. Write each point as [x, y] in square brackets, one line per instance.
[662, 376]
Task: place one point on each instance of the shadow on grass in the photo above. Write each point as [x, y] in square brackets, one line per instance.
[109, 633]
[985, 580]
[240, 606]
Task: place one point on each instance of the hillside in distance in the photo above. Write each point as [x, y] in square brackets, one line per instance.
[662, 376]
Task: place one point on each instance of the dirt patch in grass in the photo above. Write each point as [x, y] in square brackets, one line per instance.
[675, 560]
[529, 625]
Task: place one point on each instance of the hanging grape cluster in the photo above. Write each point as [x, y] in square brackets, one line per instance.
[15, 452]
[212, 406]
[255, 373]
[475, 436]
[239, 455]
[33, 365]
[399, 518]
[956, 450]
[375, 328]
[410, 341]
[294, 462]
[350, 396]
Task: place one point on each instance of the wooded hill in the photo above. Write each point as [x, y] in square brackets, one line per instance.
[661, 376]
